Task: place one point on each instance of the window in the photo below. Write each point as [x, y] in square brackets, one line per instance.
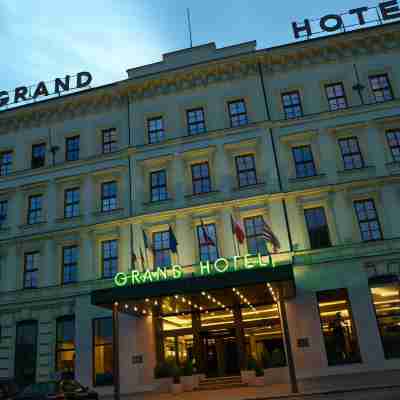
[161, 249]
[155, 129]
[70, 264]
[38, 155]
[246, 170]
[201, 178]
[386, 299]
[31, 270]
[6, 158]
[304, 161]
[351, 153]
[381, 88]
[65, 344]
[317, 227]
[238, 113]
[207, 239]
[393, 138]
[35, 209]
[108, 196]
[158, 184]
[338, 329]
[72, 148]
[26, 352]
[336, 96]
[254, 228]
[103, 351]
[195, 121]
[3, 211]
[368, 222]
[109, 251]
[292, 105]
[71, 203]
[109, 139]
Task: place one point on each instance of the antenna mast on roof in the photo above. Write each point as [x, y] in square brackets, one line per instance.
[190, 27]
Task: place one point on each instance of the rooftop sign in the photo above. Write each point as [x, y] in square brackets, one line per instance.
[44, 89]
[385, 11]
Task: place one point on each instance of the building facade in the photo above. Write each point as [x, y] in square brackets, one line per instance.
[154, 172]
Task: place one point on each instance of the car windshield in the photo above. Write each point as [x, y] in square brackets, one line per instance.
[41, 388]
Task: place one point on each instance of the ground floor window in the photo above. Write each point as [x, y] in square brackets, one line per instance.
[103, 351]
[386, 300]
[65, 345]
[338, 328]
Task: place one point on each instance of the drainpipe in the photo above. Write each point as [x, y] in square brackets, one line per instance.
[281, 303]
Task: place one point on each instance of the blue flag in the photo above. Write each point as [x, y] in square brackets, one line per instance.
[173, 243]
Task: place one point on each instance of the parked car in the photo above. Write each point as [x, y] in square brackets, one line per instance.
[67, 389]
[8, 389]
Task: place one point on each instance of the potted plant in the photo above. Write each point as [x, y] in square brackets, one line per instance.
[259, 379]
[188, 379]
[278, 358]
[176, 386]
[249, 374]
[163, 377]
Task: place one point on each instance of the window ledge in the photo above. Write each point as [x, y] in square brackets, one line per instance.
[64, 219]
[307, 178]
[103, 213]
[158, 202]
[255, 186]
[199, 195]
[353, 170]
[31, 226]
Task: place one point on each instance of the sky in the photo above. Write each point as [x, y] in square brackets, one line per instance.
[45, 39]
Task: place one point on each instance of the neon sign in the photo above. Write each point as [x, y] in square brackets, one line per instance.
[175, 272]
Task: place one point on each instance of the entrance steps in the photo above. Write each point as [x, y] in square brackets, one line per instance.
[223, 382]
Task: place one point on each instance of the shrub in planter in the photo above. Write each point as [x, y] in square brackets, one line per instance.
[266, 359]
[251, 364]
[278, 358]
[188, 369]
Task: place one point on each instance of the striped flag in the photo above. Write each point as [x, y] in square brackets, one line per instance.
[270, 237]
[206, 237]
[237, 230]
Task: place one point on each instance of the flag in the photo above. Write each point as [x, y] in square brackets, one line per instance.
[270, 237]
[134, 258]
[145, 241]
[237, 230]
[142, 257]
[206, 237]
[173, 243]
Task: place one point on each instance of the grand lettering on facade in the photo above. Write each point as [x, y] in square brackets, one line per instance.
[388, 10]
[220, 266]
[41, 89]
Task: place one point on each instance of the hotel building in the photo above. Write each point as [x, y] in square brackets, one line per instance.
[148, 174]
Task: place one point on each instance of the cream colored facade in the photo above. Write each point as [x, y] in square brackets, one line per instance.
[205, 77]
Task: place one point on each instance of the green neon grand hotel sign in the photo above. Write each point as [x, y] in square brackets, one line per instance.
[175, 272]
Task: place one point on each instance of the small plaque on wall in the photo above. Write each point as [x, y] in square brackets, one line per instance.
[137, 359]
[303, 342]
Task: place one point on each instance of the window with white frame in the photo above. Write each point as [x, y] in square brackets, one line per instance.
[207, 240]
[254, 228]
[158, 185]
[109, 194]
[201, 178]
[109, 251]
[195, 121]
[336, 96]
[72, 148]
[246, 170]
[70, 264]
[155, 130]
[381, 88]
[161, 249]
[238, 113]
[71, 202]
[351, 153]
[304, 161]
[109, 140]
[368, 221]
[292, 107]
[35, 209]
[31, 269]
[393, 138]
[6, 160]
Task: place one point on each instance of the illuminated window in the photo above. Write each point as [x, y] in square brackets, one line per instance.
[304, 161]
[201, 178]
[393, 138]
[161, 249]
[246, 170]
[70, 264]
[155, 129]
[351, 153]
[158, 185]
[103, 351]
[338, 329]
[207, 239]
[108, 196]
[3, 211]
[38, 155]
[254, 227]
[109, 251]
[35, 209]
[238, 113]
[195, 121]
[292, 105]
[386, 299]
[109, 140]
[65, 344]
[317, 227]
[336, 96]
[6, 159]
[72, 148]
[31, 270]
[368, 221]
[381, 88]
[71, 203]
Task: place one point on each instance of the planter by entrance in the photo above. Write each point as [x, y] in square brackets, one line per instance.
[248, 376]
[259, 381]
[176, 388]
[189, 382]
[163, 385]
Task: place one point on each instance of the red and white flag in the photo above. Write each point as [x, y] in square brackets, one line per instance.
[270, 237]
[237, 230]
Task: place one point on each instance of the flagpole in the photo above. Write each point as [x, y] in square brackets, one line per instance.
[235, 241]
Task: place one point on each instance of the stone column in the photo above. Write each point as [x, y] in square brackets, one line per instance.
[88, 197]
[296, 224]
[223, 170]
[125, 259]
[51, 203]
[225, 237]
[278, 223]
[86, 266]
[375, 150]
[268, 160]
[18, 213]
[390, 197]
[186, 240]
[240, 338]
[50, 268]
[343, 209]
[178, 180]
[327, 147]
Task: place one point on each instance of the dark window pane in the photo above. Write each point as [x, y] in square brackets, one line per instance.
[38, 155]
[26, 352]
[71, 203]
[31, 270]
[161, 249]
[246, 170]
[158, 186]
[368, 220]
[336, 96]
[351, 153]
[70, 264]
[110, 258]
[304, 162]
[381, 88]
[393, 138]
[109, 140]
[6, 159]
[72, 148]
[103, 351]
[292, 105]
[317, 227]
[207, 240]
[155, 128]
[65, 345]
[254, 227]
[109, 196]
[238, 113]
[195, 121]
[201, 178]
